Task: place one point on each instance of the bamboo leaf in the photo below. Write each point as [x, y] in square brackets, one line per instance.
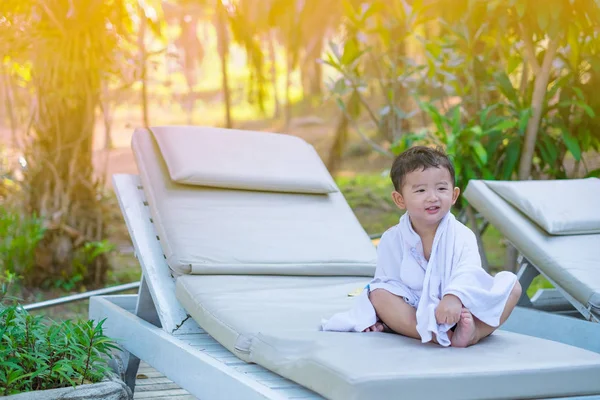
[480, 152]
[504, 125]
[572, 145]
[524, 116]
[588, 110]
[512, 152]
[507, 89]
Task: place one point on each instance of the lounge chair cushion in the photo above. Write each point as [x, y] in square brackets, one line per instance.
[350, 366]
[570, 261]
[235, 159]
[204, 230]
[273, 321]
[560, 207]
[232, 308]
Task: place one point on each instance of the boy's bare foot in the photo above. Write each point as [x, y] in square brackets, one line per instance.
[466, 331]
[377, 327]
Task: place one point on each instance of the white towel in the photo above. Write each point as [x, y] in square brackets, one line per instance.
[454, 267]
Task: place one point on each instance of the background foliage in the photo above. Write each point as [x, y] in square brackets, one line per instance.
[510, 88]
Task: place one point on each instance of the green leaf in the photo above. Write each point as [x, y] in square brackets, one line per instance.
[573, 41]
[549, 144]
[513, 63]
[593, 174]
[578, 93]
[512, 152]
[588, 110]
[437, 118]
[524, 116]
[480, 152]
[543, 17]
[456, 119]
[507, 89]
[351, 52]
[504, 125]
[572, 144]
[476, 130]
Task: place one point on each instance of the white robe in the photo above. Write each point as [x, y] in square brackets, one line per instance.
[454, 267]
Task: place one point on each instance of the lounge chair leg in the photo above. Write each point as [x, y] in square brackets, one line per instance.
[146, 310]
[526, 274]
[133, 364]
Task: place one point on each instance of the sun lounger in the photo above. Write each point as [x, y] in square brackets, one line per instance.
[555, 225]
[245, 244]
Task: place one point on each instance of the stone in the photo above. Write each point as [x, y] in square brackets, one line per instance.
[111, 388]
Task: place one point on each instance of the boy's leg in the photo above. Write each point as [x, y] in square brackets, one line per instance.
[398, 315]
[471, 330]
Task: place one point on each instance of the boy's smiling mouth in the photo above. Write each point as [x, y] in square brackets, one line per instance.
[432, 209]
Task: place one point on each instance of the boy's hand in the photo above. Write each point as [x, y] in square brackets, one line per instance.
[448, 311]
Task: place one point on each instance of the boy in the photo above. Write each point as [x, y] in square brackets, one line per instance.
[429, 283]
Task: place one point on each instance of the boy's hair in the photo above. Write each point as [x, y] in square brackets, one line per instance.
[419, 157]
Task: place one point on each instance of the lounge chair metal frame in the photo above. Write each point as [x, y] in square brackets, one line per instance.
[153, 326]
[556, 300]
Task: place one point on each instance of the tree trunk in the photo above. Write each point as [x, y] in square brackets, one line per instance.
[288, 83]
[107, 117]
[223, 47]
[341, 134]
[59, 181]
[142, 65]
[539, 93]
[473, 221]
[273, 57]
[311, 71]
[339, 143]
[10, 106]
[62, 186]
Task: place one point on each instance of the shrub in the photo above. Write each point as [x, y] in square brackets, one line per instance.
[19, 236]
[39, 354]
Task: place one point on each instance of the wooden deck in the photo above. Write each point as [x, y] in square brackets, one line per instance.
[151, 384]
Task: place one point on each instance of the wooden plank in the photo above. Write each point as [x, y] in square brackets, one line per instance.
[154, 266]
[155, 393]
[149, 373]
[167, 386]
[159, 379]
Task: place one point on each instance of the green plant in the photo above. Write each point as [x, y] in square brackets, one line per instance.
[85, 256]
[36, 354]
[464, 140]
[19, 236]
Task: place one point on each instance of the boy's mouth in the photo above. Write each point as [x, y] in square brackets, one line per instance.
[432, 209]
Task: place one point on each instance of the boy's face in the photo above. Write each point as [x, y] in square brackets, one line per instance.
[427, 195]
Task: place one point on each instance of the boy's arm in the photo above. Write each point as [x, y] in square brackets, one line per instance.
[389, 255]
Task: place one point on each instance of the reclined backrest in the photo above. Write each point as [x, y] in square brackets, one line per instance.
[560, 207]
[236, 202]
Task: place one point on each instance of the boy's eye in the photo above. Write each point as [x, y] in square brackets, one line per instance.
[443, 188]
[420, 190]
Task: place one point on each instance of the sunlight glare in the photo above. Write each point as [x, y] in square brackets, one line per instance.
[22, 162]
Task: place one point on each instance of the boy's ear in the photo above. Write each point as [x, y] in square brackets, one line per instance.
[398, 199]
[455, 195]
